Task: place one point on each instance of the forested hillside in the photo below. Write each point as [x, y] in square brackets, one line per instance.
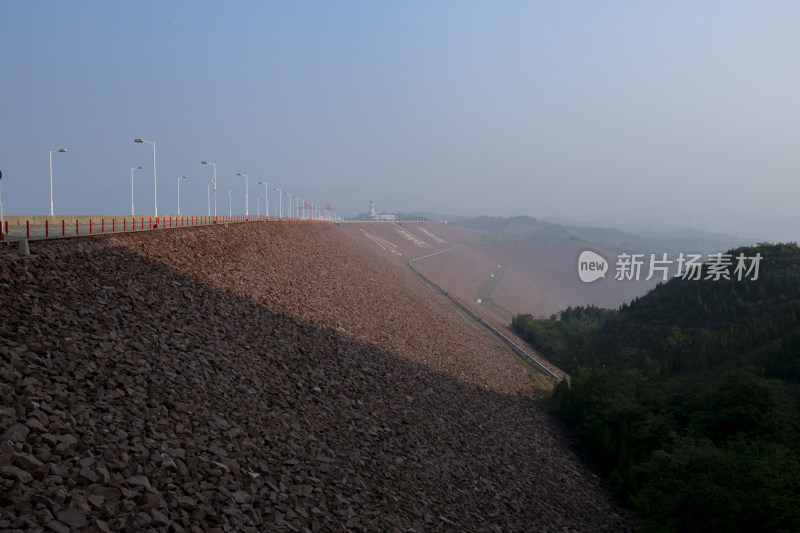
[688, 398]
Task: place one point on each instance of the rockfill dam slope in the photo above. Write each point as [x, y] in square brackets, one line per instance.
[265, 377]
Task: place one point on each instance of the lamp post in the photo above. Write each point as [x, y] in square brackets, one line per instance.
[179, 193]
[230, 202]
[140, 167]
[246, 194]
[266, 197]
[60, 150]
[280, 202]
[213, 183]
[155, 181]
[259, 207]
[290, 205]
[208, 198]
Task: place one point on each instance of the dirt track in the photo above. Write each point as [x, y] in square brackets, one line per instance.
[264, 377]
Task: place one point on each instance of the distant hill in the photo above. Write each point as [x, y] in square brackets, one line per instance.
[610, 239]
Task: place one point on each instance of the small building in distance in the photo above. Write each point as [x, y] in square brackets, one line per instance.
[373, 215]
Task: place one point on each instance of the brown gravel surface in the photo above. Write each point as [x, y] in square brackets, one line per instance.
[463, 268]
[264, 377]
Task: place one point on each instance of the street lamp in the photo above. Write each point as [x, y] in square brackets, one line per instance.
[280, 202]
[179, 193]
[60, 150]
[266, 197]
[290, 205]
[259, 206]
[230, 202]
[213, 183]
[155, 182]
[246, 194]
[140, 167]
[208, 198]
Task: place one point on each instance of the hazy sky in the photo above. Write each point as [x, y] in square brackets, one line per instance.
[659, 114]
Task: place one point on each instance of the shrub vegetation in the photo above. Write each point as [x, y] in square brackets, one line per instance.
[688, 399]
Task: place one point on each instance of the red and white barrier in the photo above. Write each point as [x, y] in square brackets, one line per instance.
[37, 230]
